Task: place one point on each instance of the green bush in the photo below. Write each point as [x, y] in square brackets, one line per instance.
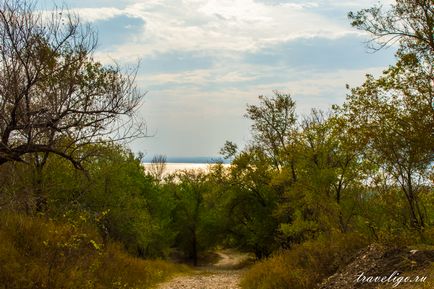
[304, 265]
[40, 253]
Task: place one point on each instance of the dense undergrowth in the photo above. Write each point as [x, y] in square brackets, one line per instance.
[305, 265]
[36, 252]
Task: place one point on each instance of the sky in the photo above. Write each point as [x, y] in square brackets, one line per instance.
[203, 61]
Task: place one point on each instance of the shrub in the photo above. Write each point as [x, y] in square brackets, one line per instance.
[40, 253]
[304, 265]
[120, 270]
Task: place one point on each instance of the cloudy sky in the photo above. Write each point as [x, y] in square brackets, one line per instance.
[202, 61]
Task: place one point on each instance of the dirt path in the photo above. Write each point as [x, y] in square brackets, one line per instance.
[224, 274]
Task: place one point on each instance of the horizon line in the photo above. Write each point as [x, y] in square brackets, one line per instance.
[191, 159]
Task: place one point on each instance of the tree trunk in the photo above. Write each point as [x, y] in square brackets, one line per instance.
[416, 216]
[194, 248]
[38, 183]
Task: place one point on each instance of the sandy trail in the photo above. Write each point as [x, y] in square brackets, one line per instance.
[221, 275]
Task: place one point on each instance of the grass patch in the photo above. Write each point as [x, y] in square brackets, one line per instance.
[305, 265]
[40, 253]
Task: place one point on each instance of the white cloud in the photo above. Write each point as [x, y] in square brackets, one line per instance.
[97, 14]
[357, 4]
[223, 25]
[195, 121]
[188, 77]
[207, 102]
[312, 89]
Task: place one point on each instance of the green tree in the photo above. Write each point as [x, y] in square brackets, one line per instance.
[249, 201]
[274, 124]
[261, 172]
[194, 214]
[325, 196]
[393, 117]
[116, 195]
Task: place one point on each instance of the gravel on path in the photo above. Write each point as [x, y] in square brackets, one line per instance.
[224, 279]
[223, 274]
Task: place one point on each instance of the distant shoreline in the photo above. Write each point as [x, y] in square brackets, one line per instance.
[191, 160]
[173, 167]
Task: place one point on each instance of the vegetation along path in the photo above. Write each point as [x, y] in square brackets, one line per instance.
[222, 274]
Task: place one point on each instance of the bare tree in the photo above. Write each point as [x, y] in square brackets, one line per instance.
[408, 21]
[54, 97]
[158, 166]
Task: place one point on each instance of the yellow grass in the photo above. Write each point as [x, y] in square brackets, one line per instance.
[40, 253]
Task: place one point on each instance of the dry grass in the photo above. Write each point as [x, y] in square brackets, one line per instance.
[40, 253]
[304, 265]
